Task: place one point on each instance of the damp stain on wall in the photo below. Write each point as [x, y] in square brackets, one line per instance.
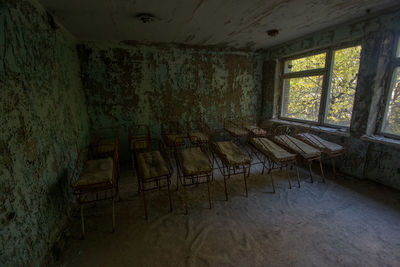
[138, 84]
[43, 119]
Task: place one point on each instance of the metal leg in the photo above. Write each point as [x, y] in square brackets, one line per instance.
[208, 188]
[322, 171]
[169, 194]
[272, 182]
[185, 199]
[288, 176]
[226, 191]
[333, 166]
[82, 222]
[245, 182]
[113, 214]
[298, 176]
[145, 204]
[309, 166]
[262, 172]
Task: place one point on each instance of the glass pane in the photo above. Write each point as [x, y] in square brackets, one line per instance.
[343, 85]
[398, 48]
[392, 119]
[301, 97]
[305, 63]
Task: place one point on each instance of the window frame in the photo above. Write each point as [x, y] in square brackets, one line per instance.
[326, 72]
[394, 63]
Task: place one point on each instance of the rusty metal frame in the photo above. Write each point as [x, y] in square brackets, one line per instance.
[202, 177]
[155, 181]
[228, 124]
[82, 193]
[172, 127]
[228, 170]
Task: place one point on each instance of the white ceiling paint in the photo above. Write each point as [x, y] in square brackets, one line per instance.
[228, 23]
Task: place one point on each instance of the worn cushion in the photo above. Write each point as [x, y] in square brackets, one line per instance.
[151, 164]
[298, 146]
[96, 172]
[106, 146]
[198, 137]
[194, 161]
[269, 148]
[138, 143]
[236, 131]
[256, 130]
[230, 153]
[174, 139]
[320, 143]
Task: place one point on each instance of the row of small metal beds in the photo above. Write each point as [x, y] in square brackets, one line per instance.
[195, 152]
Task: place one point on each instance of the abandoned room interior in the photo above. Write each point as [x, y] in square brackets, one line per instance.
[199, 133]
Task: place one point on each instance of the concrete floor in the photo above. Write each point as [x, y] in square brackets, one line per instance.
[340, 223]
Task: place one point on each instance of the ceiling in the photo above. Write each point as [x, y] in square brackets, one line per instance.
[241, 24]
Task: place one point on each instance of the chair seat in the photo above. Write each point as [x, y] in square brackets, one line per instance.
[230, 153]
[198, 137]
[298, 146]
[256, 130]
[174, 139]
[320, 143]
[269, 148]
[194, 161]
[96, 172]
[236, 131]
[151, 164]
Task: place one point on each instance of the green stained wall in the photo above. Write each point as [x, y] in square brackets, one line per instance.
[43, 116]
[135, 84]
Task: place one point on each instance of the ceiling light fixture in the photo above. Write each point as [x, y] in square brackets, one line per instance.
[145, 17]
[273, 32]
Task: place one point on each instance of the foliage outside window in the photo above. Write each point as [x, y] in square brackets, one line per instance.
[391, 124]
[320, 88]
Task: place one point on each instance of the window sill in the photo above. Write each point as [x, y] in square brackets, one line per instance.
[382, 140]
[325, 129]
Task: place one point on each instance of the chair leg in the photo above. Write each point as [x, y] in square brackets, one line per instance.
[113, 214]
[82, 222]
[208, 189]
[272, 182]
[288, 176]
[322, 171]
[245, 182]
[169, 194]
[309, 167]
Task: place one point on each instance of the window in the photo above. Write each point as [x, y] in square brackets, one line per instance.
[391, 122]
[320, 88]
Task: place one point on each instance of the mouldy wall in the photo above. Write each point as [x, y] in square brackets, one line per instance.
[43, 117]
[364, 158]
[127, 85]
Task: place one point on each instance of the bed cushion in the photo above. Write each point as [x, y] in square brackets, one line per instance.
[236, 131]
[255, 130]
[298, 146]
[198, 137]
[269, 148]
[320, 143]
[151, 164]
[174, 139]
[230, 153]
[194, 161]
[96, 172]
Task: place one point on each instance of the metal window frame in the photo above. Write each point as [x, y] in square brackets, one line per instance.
[326, 72]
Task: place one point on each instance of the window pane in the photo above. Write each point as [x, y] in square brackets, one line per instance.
[305, 63]
[392, 119]
[301, 97]
[398, 48]
[343, 85]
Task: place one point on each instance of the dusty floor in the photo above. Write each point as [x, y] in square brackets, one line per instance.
[340, 223]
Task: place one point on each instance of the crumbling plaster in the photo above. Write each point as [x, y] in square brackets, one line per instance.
[127, 85]
[43, 117]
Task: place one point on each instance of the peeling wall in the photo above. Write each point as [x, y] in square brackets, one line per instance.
[127, 85]
[365, 157]
[43, 116]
